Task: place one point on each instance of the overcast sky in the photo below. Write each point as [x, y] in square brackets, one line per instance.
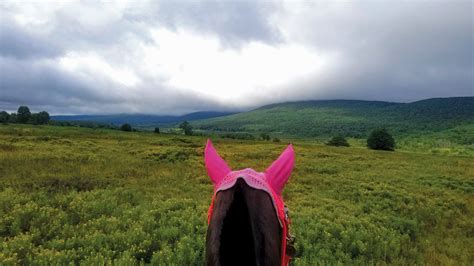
[171, 57]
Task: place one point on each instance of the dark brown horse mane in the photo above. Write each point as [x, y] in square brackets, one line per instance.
[244, 228]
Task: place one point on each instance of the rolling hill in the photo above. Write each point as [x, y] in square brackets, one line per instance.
[351, 118]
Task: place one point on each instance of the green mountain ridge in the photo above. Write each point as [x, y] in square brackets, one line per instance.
[351, 118]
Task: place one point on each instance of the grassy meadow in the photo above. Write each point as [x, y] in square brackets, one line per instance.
[92, 196]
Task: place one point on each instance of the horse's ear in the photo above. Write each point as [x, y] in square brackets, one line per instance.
[280, 170]
[216, 166]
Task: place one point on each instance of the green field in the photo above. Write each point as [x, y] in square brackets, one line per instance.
[95, 196]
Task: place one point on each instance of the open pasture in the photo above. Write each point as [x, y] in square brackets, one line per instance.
[76, 195]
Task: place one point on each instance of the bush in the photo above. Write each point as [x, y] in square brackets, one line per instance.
[157, 130]
[265, 136]
[380, 139]
[276, 140]
[338, 141]
[246, 136]
[126, 127]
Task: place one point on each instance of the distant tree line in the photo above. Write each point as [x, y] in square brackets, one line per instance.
[85, 124]
[24, 116]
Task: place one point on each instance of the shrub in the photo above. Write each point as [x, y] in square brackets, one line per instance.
[246, 136]
[276, 140]
[157, 130]
[265, 136]
[380, 139]
[126, 127]
[338, 141]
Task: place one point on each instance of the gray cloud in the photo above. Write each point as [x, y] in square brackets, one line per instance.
[19, 42]
[398, 51]
[403, 51]
[234, 22]
[43, 85]
[30, 75]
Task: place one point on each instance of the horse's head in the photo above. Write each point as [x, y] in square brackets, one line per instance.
[248, 224]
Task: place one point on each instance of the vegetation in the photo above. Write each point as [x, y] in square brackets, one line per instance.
[82, 124]
[126, 127]
[238, 135]
[40, 118]
[71, 195]
[187, 128]
[4, 117]
[13, 118]
[338, 141]
[380, 139]
[354, 119]
[458, 140]
[24, 116]
[157, 130]
[265, 136]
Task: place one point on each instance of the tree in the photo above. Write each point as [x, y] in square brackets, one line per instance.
[33, 119]
[4, 116]
[380, 139]
[23, 114]
[338, 141]
[43, 118]
[40, 118]
[187, 128]
[13, 118]
[157, 130]
[126, 127]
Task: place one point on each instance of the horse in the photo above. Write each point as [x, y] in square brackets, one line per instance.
[248, 223]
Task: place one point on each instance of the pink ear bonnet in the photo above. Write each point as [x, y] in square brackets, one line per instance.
[272, 180]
